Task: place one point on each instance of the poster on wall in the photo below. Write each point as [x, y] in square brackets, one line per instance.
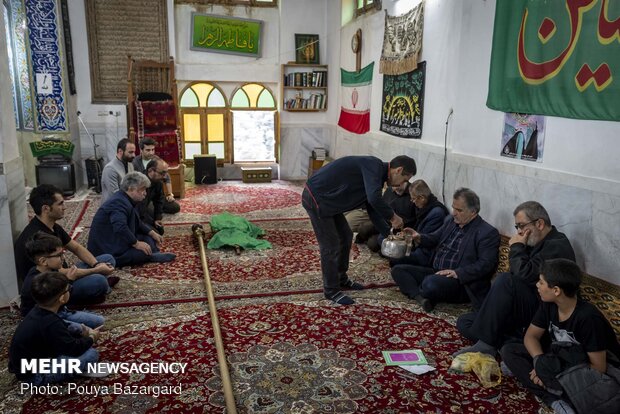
[523, 137]
[403, 103]
[559, 58]
[224, 34]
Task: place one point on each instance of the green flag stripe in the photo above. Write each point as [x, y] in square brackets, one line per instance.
[363, 77]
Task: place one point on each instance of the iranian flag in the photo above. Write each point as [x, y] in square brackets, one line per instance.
[355, 110]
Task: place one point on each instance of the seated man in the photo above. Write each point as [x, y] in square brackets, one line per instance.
[397, 198]
[117, 228]
[151, 208]
[90, 283]
[510, 305]
[465, 257]
[429, 214]
[115, 170]
[147, 154]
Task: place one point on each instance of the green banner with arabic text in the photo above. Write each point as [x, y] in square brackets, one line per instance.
[223, 34]
[558, 58]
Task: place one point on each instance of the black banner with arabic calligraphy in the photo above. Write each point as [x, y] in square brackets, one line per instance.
[403, 103]
[224, 34]
[559, 58]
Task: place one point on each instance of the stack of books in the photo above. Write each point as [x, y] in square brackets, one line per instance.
[320, 153]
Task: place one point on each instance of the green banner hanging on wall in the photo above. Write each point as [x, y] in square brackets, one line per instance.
[223, 34]
[559, 58]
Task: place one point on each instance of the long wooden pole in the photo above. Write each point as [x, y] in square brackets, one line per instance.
[229, 397]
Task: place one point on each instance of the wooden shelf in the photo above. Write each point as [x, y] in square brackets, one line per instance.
[303, 87]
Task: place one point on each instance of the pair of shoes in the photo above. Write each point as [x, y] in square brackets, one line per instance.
[113, 280]
[349, 284]
[340, 298]
[505, 370]
[102, 371]
[426, 304]
[162, 257]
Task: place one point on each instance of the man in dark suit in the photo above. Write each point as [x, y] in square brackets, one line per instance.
[513, 299]
[118, 230]
[151, 208]
[465, 257]
[344, 185]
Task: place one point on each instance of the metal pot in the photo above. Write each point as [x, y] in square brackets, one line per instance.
[396, 246]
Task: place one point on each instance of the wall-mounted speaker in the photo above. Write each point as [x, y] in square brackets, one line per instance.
[205, 169]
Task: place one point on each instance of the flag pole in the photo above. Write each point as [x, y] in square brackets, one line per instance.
[229, 397]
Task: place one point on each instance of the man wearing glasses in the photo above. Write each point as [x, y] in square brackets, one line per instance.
[152, 207]
[513, 300]
[140, 163]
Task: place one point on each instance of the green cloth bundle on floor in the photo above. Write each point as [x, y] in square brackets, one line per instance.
[231, 230]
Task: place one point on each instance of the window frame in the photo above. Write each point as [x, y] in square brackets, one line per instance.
[276, 120]
[204, 111]
[367, 7]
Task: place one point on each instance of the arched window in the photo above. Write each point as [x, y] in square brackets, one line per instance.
[204, 112]
[254, 121]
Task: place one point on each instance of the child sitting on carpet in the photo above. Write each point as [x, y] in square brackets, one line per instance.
[44, 335]
[580, 357]
[46, 252]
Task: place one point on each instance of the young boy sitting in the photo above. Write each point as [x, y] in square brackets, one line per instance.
[46, 252]
[43, 334]
[570, 351]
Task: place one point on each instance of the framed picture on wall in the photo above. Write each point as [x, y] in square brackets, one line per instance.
[307, 48]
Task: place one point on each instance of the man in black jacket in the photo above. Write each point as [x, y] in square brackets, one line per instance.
[151, 208]
[147, 154]
[340, 186]
[465, 257]
[513, 300]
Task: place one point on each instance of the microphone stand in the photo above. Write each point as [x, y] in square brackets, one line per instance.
[95, 145]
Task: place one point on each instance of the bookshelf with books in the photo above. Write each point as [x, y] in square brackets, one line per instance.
[304, 87]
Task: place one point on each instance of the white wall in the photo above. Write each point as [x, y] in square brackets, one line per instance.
[579, 178]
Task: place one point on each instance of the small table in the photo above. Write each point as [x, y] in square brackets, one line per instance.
[256, 174]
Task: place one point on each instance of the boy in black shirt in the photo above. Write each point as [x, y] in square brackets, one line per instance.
[43, 334]
[583, 347]
[46, 252]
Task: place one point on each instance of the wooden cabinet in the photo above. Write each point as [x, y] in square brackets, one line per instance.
[177, 180]
[304, 87]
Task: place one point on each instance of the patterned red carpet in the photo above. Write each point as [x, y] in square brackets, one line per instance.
[291, 266]
[287, 353]
[275, 200]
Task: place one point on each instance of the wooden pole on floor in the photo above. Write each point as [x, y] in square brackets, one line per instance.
[229, 397]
